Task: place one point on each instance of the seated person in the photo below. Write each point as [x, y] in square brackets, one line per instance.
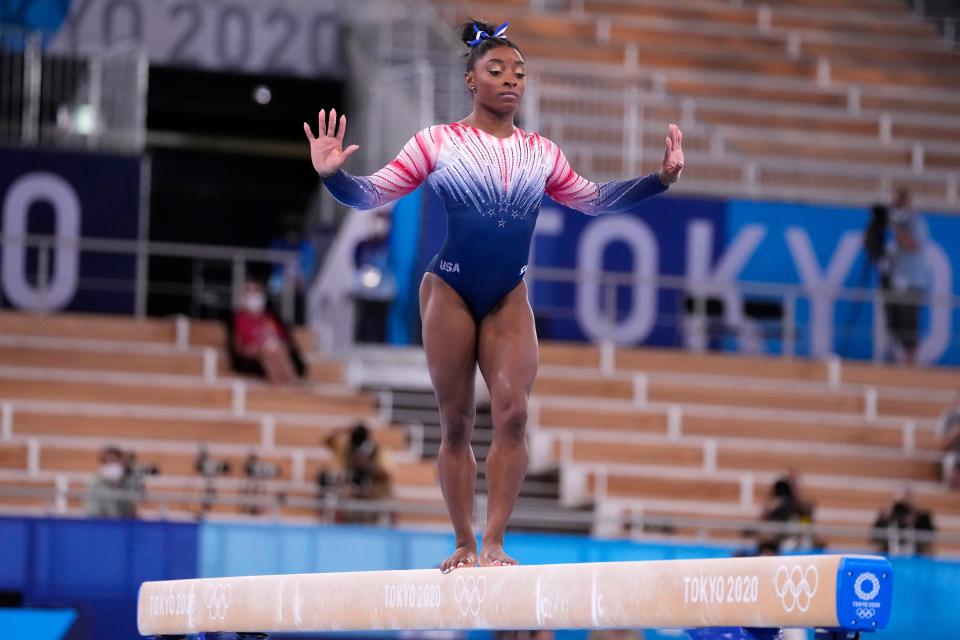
[902, 521]
[259, 342]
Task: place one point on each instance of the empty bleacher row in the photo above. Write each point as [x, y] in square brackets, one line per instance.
[654, 433]
[837, 102]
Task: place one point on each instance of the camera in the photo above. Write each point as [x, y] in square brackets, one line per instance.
[258, 470]
[142, 470]
[208, 467]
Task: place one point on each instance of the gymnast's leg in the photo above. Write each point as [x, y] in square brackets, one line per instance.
[508, 354]
[450, 342]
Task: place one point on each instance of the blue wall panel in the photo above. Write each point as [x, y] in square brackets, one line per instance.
[232, 549]
[93, 566]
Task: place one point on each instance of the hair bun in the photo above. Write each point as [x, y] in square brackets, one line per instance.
[468, 33]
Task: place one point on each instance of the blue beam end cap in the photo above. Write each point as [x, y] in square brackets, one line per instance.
[864, 593]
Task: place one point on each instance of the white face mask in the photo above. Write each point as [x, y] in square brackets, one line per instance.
[111, 471]
[255, 302]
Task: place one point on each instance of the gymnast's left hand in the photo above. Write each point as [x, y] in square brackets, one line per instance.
[672, 157]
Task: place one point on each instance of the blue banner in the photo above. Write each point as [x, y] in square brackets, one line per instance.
[725, 247]
[820, 248]
[68, 196]
[641, 246]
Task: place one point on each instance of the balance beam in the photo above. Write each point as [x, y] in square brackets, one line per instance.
[829, 591]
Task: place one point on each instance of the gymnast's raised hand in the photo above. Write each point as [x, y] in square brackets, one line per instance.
[326, 150]
[672, 156]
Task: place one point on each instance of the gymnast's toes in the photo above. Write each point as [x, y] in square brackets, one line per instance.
[496, 557]
[462, 558]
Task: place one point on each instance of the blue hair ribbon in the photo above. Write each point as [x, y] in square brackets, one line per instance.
[483, 35]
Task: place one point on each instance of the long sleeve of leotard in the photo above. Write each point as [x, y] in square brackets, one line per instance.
[570, 189]
[404, 174]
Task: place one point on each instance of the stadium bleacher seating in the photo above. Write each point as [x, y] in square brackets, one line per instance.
[71, 384]
[632, 431]
[823, 101]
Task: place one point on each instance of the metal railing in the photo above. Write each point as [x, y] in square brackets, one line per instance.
[598, 294]
[49, 256]
[97, 102]
[801, 320]
[269, 500]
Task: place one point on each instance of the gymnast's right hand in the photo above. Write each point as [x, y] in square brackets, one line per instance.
[326, 150]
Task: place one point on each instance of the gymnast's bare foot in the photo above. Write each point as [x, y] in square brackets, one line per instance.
[493, 555]
[464, 556]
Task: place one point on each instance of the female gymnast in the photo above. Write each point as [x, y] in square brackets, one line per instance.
[491, 177]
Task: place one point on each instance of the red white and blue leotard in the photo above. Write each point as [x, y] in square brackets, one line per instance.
[491, 189]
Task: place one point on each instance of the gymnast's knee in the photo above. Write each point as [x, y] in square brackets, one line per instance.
[511, 421]
[457, 428]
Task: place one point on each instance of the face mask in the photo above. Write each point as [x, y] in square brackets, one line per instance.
[255, 302]
[111, 471]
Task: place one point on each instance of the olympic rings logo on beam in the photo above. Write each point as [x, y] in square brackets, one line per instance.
[866, 614]
[796, 586]
[469, 593]
[217, 599]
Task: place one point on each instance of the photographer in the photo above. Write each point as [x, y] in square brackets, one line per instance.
[118, 485]
[896, 529]
[363, 468]
[787, 505]
[908, 275]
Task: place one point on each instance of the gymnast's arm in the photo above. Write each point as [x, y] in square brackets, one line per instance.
[404, 174]
[570, 189]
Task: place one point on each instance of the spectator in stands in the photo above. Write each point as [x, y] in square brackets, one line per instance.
[374, 285]
[292, 238]
[787, 506]
[259, 341]
[896, 528]
[362, 468]
[948, 426]
[908, 275]
[108, 494]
